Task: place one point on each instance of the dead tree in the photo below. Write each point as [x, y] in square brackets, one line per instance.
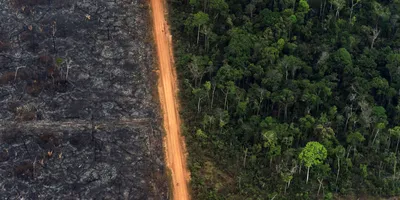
[16, 72]
[54, 31]
[352, 8]
[68, 63]
[374, 36]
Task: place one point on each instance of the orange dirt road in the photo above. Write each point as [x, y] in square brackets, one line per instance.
[173, 141]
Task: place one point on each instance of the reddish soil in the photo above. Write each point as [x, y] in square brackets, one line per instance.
[174, 142]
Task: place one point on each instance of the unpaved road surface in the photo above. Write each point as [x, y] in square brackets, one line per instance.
[175, 154]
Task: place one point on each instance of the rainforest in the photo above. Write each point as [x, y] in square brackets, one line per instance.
[288, 99]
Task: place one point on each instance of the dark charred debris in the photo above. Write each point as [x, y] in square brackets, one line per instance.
[77, 115]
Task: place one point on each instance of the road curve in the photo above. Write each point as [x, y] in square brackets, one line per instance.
[167, 89]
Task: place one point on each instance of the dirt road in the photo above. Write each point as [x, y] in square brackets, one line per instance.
[173, 141]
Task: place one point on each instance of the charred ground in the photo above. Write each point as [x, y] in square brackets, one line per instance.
[77, 116]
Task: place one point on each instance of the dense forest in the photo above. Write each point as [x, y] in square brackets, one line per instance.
[290, 99]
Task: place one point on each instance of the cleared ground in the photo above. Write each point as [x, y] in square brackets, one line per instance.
[77, 114]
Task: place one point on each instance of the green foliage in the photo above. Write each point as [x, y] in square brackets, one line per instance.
[200, 18]
[364, 171]
[395, 132]
[262, 79]
[343, 58]
[293, 18]
[354, 138]
[379, 114]
[219, 5]
[313, 154]
[303, 6]
[59, 61]
[328, 196]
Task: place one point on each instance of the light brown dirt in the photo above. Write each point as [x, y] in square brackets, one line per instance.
[167, 89]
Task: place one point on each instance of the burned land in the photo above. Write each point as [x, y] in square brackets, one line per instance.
[78, 119]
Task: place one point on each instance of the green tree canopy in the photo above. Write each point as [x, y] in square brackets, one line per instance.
[313, 154]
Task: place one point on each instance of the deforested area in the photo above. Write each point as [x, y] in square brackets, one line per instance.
[77, 114]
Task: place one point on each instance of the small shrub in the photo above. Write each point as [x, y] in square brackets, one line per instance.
[59, 61]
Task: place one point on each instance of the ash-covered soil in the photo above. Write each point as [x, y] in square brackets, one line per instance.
[77, 116]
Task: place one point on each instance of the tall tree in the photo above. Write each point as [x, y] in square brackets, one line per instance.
[313, 154]
[200, 19]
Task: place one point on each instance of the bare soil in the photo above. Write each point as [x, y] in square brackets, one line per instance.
[174, 142]
[77, 115]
